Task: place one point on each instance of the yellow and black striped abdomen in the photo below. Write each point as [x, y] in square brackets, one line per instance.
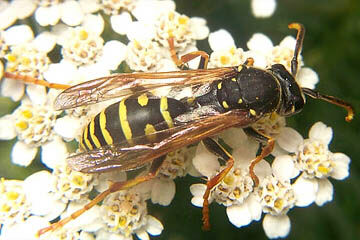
[131, 118]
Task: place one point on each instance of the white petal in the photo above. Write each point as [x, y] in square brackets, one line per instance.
[263, 8]
[37, 94]
[163, 192]
[114, 52]
[18, 34]
[154, 226]
[239, 215]
[289, 139]
[341, 168]
[260, 42]
[71, 13]
[325, 192]
[68, 127]
[140, 31]
[141, 11]
[24, 8]
[142, 235]
[12, 88]
[28, 228]
[45, 42]
[276, 226]
[197, 190]
[94, 23]
[283, 167]
[47, 15]
[288, 42]
[319, 131]
[305, 191]
[199, 28]
[62, 72]
[307, 78]
[54, 153]
[7, 128]
[88, 217]
[234, 137]
[205, 162]
[23, 154]
[7, 16]
[89, 6]
[221, 40]
[262, 169]
[120, 23]
[254, 207]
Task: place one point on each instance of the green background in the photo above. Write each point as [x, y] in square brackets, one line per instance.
[332, 49]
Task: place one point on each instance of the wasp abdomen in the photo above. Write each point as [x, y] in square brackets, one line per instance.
[131, 118]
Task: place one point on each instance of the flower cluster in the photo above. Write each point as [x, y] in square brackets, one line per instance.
[79, 34]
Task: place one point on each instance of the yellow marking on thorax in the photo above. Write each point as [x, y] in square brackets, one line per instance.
[240, 67]
[165, 113]
[149, 130]
[219, 86]
[143, 100]
[233, 79]
[104, 131]
[240, 101]
[125, 126]
[252, 112]
[92, 134]
[225, 105]
[86, 139]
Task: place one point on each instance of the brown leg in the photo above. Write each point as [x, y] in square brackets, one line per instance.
[265, 150]
[114, 187]
[181, 63]
[218, 150]
[31, 80]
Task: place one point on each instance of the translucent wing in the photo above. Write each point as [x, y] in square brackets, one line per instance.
[123, 157]
[122, 85]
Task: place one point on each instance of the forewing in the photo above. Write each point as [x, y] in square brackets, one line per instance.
[124, 158]
[127, 84]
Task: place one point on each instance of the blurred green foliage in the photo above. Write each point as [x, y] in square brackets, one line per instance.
[332, 49]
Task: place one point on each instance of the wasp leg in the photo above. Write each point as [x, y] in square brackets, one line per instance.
[181, 63]
[114, 187]
[32, 80]
[218, 150]
[265, 150]
[249, 62]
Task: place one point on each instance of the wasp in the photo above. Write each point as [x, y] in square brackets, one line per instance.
[141, 129]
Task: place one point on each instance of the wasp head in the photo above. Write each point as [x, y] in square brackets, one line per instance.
[292, 97]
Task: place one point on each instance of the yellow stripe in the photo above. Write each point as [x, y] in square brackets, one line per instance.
[87, 141]
[149, 130]
[125, 126]
[143, 100]
[82, 146]
[165, 113]
[225, 105]
[92, 134]
[104, 131]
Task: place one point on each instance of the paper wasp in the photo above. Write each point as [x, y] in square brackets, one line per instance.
[141, 129]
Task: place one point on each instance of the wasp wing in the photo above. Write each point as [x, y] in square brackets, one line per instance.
[127, 84]
[122, 157]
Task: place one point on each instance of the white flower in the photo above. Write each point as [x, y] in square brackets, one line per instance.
[315, 161]
[263, 8]
[32, 123]
[70, 12]
[125, 213]
[17, 9]
[27, 56]
[27, 228]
